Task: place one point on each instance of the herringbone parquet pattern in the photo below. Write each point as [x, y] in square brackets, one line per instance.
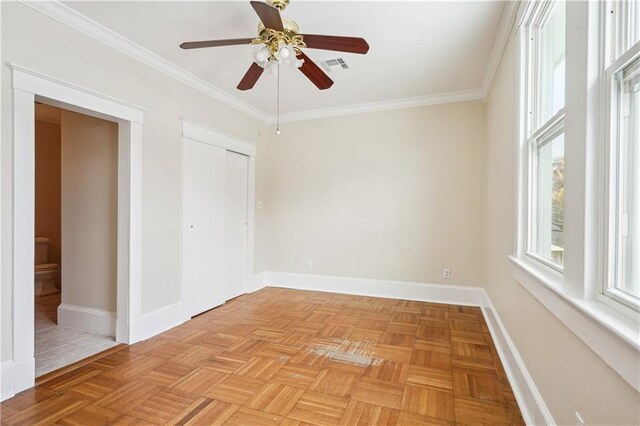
[289, 357]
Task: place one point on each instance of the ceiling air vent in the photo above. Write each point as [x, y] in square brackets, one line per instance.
[331, 65]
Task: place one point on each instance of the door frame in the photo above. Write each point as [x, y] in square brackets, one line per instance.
[27, 87]
[203, 134]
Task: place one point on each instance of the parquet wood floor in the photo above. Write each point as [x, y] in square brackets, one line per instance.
[289, 357]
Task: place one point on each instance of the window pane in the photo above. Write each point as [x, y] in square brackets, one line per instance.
[627, 258]
[548, 223]
[551, 64]
[626, 26]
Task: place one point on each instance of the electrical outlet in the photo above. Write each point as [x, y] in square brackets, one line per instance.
[310, 264]
[259, 205]
[446, 273]
[579, 420]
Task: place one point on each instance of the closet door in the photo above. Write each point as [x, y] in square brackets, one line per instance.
[236, 218]
[204, 226]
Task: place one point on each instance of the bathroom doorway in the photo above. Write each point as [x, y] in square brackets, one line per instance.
[75, 246]
[27, 87]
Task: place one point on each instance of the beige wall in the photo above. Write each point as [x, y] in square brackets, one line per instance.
[32, 40]
[47, 187]
[392, 195]
[89, 211]
[568, 374]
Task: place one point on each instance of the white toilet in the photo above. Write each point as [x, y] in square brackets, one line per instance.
[47, 275]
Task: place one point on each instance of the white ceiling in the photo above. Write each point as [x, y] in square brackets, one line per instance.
[417, 48]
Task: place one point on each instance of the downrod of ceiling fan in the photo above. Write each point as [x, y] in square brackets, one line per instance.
[279, 4]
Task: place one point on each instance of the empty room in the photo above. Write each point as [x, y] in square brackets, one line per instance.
[305, 212]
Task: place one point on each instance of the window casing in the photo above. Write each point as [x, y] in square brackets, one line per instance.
[544, 124]
[577, 294]
[621, 215]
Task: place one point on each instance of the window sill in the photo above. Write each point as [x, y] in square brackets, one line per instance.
[609, 333]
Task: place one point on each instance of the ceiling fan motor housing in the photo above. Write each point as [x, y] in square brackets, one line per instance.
[290, 26]
[273, 38]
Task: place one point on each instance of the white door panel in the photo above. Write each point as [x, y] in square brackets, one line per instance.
[236, 218]
[204, 226]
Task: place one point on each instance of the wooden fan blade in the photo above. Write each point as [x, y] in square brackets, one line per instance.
[269, 15]
[338, 43]
[314, 73]
[251, 77]
[215, 43]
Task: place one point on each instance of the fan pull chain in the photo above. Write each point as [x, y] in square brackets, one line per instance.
[278, 103]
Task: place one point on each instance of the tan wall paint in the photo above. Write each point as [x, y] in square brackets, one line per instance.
[47, 187]
[89, 211]
[568, 374]
[33, 40]
[392, 195]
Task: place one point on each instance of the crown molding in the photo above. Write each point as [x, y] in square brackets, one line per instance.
[87, 26]
[441, 98]
[499, 44]
[66, 15]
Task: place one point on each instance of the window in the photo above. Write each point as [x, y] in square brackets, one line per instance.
[545, 133]
[550, 45]
[594, 289]
[548, 216]
[622, 144]
[623, 27]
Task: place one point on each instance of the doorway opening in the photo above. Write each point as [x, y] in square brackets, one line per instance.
[28, 87]
[75, 246]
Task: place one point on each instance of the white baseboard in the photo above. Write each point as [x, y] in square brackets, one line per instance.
[91, 320]
[6, 380]
[532, 406]
[256, 282]
[16, 377]
[438, 293]
[156, 322]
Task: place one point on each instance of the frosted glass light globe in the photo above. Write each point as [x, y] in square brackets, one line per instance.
[283, 51]
[262, 55]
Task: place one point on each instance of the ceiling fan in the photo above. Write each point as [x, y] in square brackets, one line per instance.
[282, 43]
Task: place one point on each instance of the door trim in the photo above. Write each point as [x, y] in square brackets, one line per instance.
[200, 133]
[27, 87]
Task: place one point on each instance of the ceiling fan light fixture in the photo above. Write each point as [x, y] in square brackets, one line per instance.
[283, 51]
[261, 56]
[297, 63]
[287, 57]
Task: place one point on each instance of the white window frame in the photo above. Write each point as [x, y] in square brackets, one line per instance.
[613, 29]
[546, 134]
[574, 297]
[609, 68]
[534, 134]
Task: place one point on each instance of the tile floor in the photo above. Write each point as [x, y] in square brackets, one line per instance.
[57, 346]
